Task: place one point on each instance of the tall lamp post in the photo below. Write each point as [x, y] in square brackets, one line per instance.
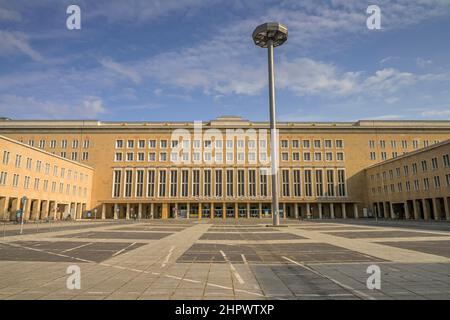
[271, 35]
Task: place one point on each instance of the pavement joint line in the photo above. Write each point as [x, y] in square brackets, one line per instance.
[348, 288]
[166, 260]
[233, 269]
[122, 250]
[78, 247]
[244, 259]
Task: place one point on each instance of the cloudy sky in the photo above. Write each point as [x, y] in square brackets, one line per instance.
[159, 60]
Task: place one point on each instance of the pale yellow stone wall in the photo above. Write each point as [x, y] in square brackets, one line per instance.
[45, 173]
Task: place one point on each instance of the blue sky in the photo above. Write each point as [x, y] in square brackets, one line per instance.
[145, 60]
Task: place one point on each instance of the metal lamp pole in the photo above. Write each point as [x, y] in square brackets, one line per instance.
[271, 35]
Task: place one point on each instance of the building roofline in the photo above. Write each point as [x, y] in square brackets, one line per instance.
[410, 154]
[45, 152]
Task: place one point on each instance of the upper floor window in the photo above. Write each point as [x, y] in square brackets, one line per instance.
[119, 144]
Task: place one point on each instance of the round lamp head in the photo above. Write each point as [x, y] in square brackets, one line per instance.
[271, 31]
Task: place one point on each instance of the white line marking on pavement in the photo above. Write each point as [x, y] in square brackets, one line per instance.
[166, 260]
[120, 251]
[233, 270]
[83, 245]
[243, 258]
[358, 293]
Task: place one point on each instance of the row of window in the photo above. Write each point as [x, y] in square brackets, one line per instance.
[218, 157]
[231, 183]
[53, 143]
[416, 185]
[39, 166]
[414, 168]
[240, 143]
[404, 144]
[45, 185]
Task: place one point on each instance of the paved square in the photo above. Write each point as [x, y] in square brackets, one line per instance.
[232, 259]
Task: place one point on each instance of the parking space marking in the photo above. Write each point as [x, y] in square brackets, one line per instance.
[355, 292]
[233, 269]
[78, 247]
[166, 260]
[122, 250]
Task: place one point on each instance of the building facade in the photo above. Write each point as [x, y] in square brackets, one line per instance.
[53, 186]
[412, 186]
[220, 169]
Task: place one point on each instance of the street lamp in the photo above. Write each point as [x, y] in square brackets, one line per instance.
[271, 35]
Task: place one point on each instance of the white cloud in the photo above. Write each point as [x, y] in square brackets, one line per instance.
[436, 113]
[422, 63]
[9, 15]
[121, 69]
[13, 42]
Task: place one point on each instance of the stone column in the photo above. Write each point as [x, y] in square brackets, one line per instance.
[224, 210]
[103, 211]
[296, 210]
[176, 211]
[355, 210]
[447, 209]
[44, 210]
[35, 209]
[116, 211]
[127, 213]
[259, 210]
[188, 208]
[26, 210]
[200, 211]
[4, 209]
[308, 211]
[211, 210]
[248, 210]
[79, 211]
[332, 210]
[236, 210]
[152, 211]
[426, 214]
[140, 211]
[415, 210]
[385, 210]
[319, 205]
[344, 212]
[406, 210]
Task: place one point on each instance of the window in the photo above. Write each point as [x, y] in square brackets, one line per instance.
[383, 156]
[317, 156]
[3, 178]
[130, 144]
[163, 157]
[263, 182]
[63, 154]
[63, 144]
[162, 183]
[128, 183]
[139, 183]
[284, 144]
[150, 183]
[373, 156]
[329, 156]
[86, 144]
[434, 163]
[5, 157]
[195, 183]
[251, 144]
[447, 179]
[339, 144]
[152, 144]
[394, 154]
[251, 157]
[230, 144]
[118, 157]
[297, 183]
[404, 144]
[416, 185]
[173, 182]
[252, 182]
[174, 156]
[218, 183]
[240, 144]
[330, 183]
[130, 156]
[306, 144]
[415, 144]
[328, 144]
[371, 144]
[207, 144]
[414, 168]
[230, 192]
[174, 143]
[426, 184]
[424, 165]
[85, 156]
[163, 144]
[207, 183]
[240, 183]
[295, 144]
[296, 156]
[75, 144]
[319, 183]
[393, 144]
[141, 144]
[397, 172]
[408, 186]
[31, 143]
[308, 183]
[437, 182]
[446, 160]
[196, 144]
[285, 183]
[26, 182]
[151, 156]
[29, 163]
[18, 160]
[317, 144]
[42, 144]
[284, 156]
[184, 183]
[406, 170]
[15, 180]
[229, 156]
[382, 144]
[306, 156]
[342, 192]
[240, 157]
[339, 156]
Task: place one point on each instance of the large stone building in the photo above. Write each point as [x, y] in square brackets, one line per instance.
[54, 187]
[219, 169]
[413, 186]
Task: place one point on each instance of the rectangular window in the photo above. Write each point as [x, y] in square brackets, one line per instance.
[195, 183]
[263, 182]
[446, 160]
[207, 183]
[230, 192]
[285, 183]
[150, 183]
[252, 183]
[342, 192]
[308, 183]
[139, 183]
[330, 183]
[152, 144]
[218, 182]
[162, 183]
[173, 182]
[319, 183]
[434, 163]
[185, 183]
[128, 182]
[297, 183]
[240, 183]
[117, 176]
